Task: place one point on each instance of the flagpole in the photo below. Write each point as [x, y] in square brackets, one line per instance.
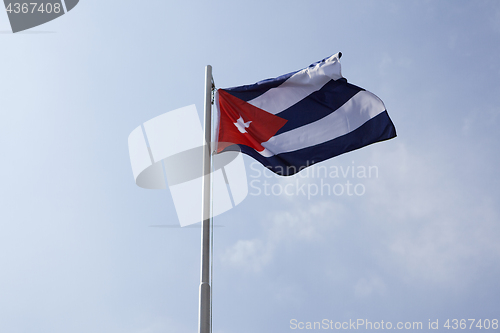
[204, 322]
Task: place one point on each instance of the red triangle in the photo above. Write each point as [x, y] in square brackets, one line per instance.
[263, 125]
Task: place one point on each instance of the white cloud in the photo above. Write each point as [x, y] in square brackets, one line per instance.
[437, 230]
[417, 223]
[285, 228]
[249, 255]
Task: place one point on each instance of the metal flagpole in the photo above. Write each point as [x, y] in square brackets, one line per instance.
[204, 323]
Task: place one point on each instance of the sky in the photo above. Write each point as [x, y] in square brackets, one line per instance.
[418, 242]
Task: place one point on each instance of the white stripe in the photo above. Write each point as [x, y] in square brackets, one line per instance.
[355, 112]
[298, 86]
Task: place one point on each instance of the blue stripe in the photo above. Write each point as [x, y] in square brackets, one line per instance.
[377, 129]
[251, 91]
[318, 105]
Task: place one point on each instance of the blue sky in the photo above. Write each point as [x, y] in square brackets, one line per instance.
[77, 250]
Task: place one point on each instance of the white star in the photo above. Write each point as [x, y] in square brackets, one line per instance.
[241, 125]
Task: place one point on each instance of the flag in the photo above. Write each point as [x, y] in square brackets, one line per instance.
[296, 120]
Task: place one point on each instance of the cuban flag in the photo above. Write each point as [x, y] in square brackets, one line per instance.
[301, 118]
